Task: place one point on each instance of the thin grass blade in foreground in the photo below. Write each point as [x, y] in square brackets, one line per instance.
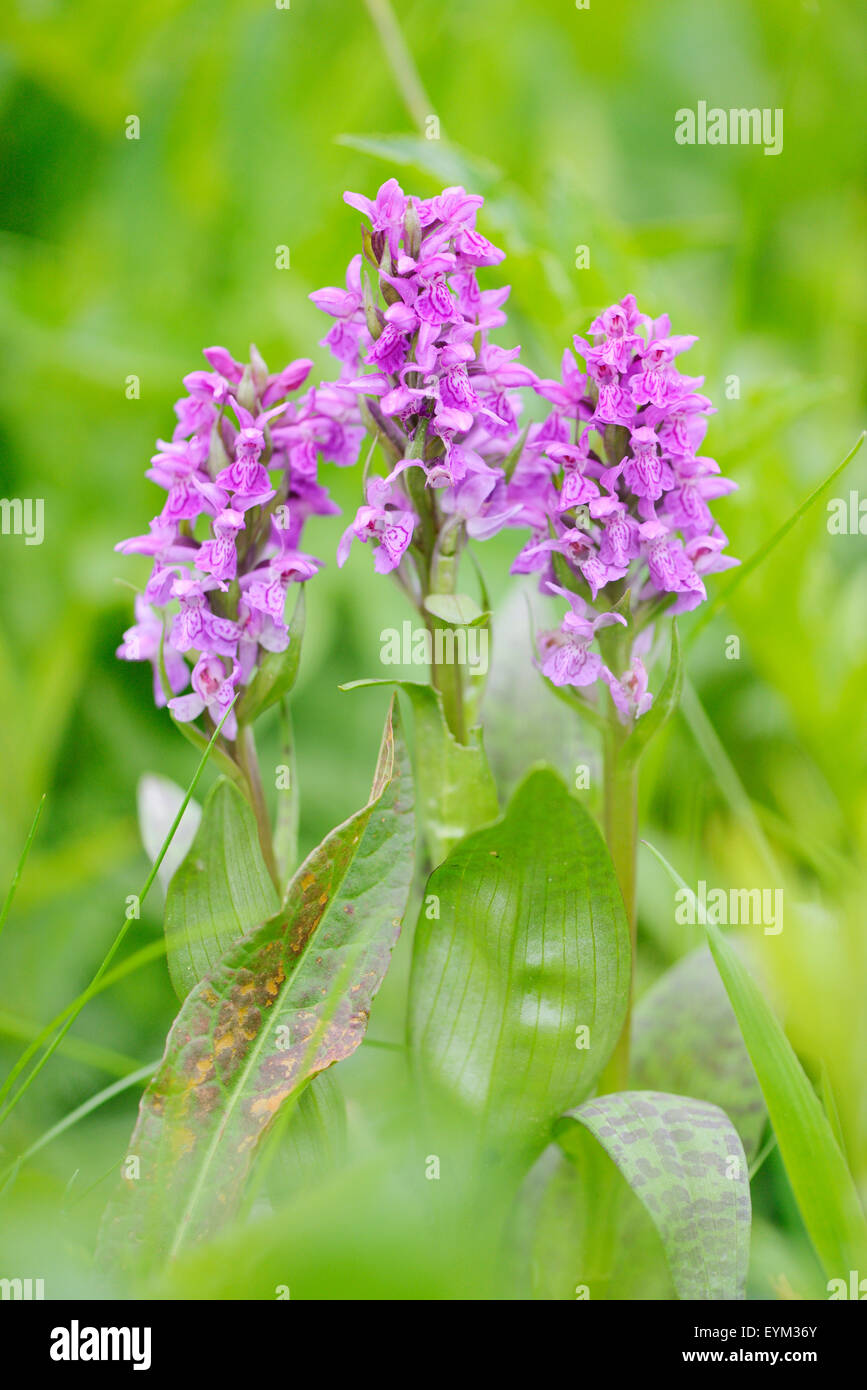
[19, 867]
[686, 1041]
[72, 1012]
[723, 595]
[821, 1181]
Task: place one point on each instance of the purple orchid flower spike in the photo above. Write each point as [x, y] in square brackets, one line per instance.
[240, 478]
[617, 496]
[411, 333]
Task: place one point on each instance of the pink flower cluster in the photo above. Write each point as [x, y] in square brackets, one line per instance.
[439, 393]
[240, 480]
[613, 486]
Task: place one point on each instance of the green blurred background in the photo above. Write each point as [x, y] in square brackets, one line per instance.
[122, 257]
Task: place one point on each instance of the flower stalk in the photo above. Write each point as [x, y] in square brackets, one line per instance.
[248, 761]
[620, 824]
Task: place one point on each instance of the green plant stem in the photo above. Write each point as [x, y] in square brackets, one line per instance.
[620, 820]
[447, 676]
[248, 761]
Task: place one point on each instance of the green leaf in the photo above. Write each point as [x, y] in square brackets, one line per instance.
[291, 998]
[684, 1160]
[686, 1040]
[315, 1139]
[277, 670]
[221, 890]
[817, 1170]
[522, 943]
[664, 704]
[456, 791]
[457, 609]
[568, 1209]
[820, 1179]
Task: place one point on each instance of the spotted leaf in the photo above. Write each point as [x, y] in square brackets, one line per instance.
[290, 999]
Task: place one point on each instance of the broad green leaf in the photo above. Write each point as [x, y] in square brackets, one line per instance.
[456, 791]
[521, 946]
[684, 1160]
[820, 1178]
[291, 998]
[686, 1040]
[157, 800]
[277, 671]
[459, 609]
[664, 705]
[221, 890]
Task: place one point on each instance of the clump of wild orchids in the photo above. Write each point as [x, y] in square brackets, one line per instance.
[617, 498]
[412, 332]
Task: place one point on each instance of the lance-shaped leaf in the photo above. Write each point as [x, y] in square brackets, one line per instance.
[221, 890]
[456, 791]
[684, 1159]
[291, 998]
[823, 1186]
[686, 1040]
[820, 1178]
[521, 967]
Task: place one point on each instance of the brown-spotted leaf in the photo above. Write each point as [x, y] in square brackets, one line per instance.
[287, 1001]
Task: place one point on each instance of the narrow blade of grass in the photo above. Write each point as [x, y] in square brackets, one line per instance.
[4, 913]
[86, 1108]
[817, 1170]
[717, 759]
[723, 595]
[75, 1009]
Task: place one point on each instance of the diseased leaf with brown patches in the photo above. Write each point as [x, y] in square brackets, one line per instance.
[290, 999]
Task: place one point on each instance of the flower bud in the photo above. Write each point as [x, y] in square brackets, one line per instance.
[412, 227]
